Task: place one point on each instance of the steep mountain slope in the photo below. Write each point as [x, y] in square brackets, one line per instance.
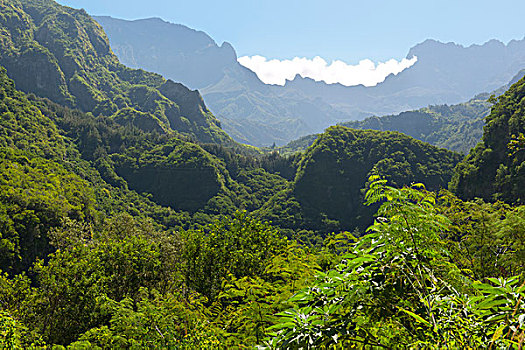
[260, 114]
[491, 170]
[327, 191]
[64, 55]
[44, 181]
[250, 111]
[58, 164]
[36, 190]
[172, 50]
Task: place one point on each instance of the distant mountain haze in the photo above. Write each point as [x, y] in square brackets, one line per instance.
[259, 114]
[443, 73]
[456, 127]
[169, 49]
[248, 109]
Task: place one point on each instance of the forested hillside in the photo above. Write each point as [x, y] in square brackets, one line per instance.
[114, 235]
[60, 163]
[456, 127]
[63, 54]
[328, 190]
[492, 170]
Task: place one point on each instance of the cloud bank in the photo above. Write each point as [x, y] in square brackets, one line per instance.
[366, 72]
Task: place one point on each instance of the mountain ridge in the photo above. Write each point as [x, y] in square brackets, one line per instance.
[62, 54]
[261, 114]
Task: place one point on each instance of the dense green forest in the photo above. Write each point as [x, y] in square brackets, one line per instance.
[493, 170]
[63, 54]
[118, 235]
[456, 127]
[327, 193]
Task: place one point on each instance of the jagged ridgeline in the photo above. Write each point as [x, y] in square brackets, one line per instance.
[491, 170]
[63, 54]
[328, 191]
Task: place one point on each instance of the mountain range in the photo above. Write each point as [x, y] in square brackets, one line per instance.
[259, 114]
[152, 143]
[130, 219]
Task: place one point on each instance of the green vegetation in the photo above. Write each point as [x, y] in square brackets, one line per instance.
[457, 127]
[409, 282]
[327, 193]
[63, 54]
[120, 235]
[399, 287]
[299, 145]
[59, 163]
[491, 170]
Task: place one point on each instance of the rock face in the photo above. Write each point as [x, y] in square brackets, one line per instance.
[172, 50]
[259, 114]
[250, 111]
[63, 54]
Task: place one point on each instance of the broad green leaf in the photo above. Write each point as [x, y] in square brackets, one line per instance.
[417, 317]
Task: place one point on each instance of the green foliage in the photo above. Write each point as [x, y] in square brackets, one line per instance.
[327, 193]
[397, 287]
[212, 179]
[123, 286]
[9, 332]
[300, 145]
[239, 247]
[177, 174]
[44, 179]
[91, 263]
[154, 321]
[457, 127]
[491, 171]
[110, 159]
[112, 264]
[35, 195]
[517, 143]
[355, 303]
[63, 54]
[248, 305]
[485, 239]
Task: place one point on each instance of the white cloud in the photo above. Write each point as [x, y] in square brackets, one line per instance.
[366, 72]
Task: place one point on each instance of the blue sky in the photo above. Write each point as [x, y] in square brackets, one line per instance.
[333, 29]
